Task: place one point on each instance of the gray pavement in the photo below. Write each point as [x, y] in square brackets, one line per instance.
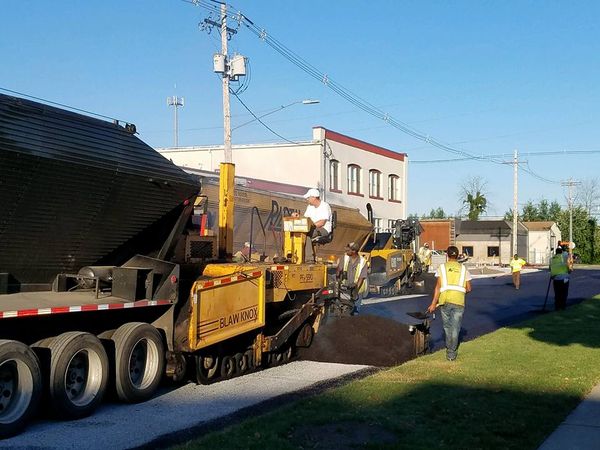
[581, 428]
[118, 426]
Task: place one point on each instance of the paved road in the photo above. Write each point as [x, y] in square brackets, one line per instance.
[494, 302]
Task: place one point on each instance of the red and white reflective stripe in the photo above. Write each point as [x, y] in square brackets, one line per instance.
[228, 280]
[81, 308]
[279, 267]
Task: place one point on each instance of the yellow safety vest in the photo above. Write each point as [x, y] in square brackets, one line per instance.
[453, 288]
[517, 264]
[362, 262]
[558, 266]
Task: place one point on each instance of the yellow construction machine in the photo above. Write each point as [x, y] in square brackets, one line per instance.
[243, 315]
[391, 255]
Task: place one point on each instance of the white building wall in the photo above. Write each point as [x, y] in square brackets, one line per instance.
[307, 164]
[480, 249]
[541, 244]
[383, 208]
[291, 163]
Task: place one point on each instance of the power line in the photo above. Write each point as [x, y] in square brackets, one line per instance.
[257, 118]
[504, 155]
[353, 98]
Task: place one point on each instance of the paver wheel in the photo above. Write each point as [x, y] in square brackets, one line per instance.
[20, 386]
[206, 368]
[139, 361]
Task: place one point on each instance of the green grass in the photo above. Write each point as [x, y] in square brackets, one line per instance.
[507, 389]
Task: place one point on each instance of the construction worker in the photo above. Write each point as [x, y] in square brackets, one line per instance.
[352, 269]
[425, 257]
[319, 212]
[561, 265]
[453, 283]
[515, 265]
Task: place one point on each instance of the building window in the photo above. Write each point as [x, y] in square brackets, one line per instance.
[354, 174]
[334, 175]
[394, 188]
[391, 224]
[375, 184]
[377, 224]
[468, 250]
[493, 251]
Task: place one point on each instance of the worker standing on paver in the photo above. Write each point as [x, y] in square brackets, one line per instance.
[453, 283]
[425, 257]
[516, 264]
[561, 265]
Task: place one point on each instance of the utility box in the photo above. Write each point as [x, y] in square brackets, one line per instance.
[238, 66]
[219, 63]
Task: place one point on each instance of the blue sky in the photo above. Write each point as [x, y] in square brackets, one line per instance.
[486, 77]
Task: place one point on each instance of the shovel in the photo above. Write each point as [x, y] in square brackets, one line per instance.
[421, 315]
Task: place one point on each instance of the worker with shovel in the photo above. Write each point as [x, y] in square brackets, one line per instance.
[453, 283]
[561, 265]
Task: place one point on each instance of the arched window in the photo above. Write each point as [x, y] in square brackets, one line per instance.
[334, 175]
[354, 175]
[394, 193]
[375, 183]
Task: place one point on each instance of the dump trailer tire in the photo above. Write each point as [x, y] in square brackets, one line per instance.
[20, 386]
[139, 361]
[78, 373]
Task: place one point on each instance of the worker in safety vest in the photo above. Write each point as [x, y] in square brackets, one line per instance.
[425, 257]
[515, 267]
[453, 283]
[352, 269]
[561, 265]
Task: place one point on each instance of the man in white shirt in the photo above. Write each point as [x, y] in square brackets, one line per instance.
[319, 212]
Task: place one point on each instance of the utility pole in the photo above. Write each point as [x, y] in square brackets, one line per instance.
[570, 183]
[226, 109]
[176, 102]
[515, 201]
[515, 163]
[229, 70]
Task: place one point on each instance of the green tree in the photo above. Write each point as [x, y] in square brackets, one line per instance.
[474, 197]
[554, 211]
[530, 212]
[435, 213]
[477, 204]
[586, 235]
[542, 211]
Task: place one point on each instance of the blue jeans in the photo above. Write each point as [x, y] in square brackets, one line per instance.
[452, 319]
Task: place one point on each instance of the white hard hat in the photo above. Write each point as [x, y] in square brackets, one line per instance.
[312, 192]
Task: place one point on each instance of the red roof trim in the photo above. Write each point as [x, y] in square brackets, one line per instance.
[343, 139]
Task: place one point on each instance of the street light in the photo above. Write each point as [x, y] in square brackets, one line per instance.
[304, 102]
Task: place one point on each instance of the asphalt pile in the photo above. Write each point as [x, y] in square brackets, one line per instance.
[363, 339]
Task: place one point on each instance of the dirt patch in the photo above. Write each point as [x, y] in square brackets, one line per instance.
[341, 436]
[363, 339]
